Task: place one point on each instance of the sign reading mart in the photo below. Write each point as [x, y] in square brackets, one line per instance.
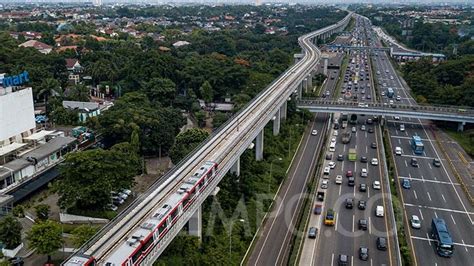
[9, 81]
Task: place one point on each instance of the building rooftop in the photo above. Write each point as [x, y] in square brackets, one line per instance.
[10, 148]
[86, 106]
[50, 147]
[39, 135]
[12, 166]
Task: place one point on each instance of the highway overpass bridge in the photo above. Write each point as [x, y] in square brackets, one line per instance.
[443, 113]
[140, 233]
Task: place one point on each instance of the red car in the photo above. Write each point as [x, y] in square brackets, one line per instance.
[349, 173]
[318, 208]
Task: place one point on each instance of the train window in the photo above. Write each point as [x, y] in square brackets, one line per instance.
[162, 228]
[186, 200]
[174, 213]
[147, 244]
[136, 256]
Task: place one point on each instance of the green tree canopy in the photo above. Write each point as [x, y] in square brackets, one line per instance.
[45, 237]
[10, 231]
[186, 142]
[81, 234]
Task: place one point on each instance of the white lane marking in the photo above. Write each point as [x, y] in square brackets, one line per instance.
[406, 164]
[414, 192]
[370, 262]
[337, 221]
[399, 141]
[370, 226]
[352, 260]
[432, 240]
[344, 148]
[365, 134]
[422, 178]
[332, 259]
[438, 209]
[421, 214]
[464, 244]
[453, 219]
[354, 191]
[342, 166]
[366, 149]
[443, 197]
[436, 215]
[340, 189]
[353, 222]
[368, 191]
[396, 131]
[429, 197]
[427, 237]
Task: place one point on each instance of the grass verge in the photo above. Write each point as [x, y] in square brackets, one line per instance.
[465, 139]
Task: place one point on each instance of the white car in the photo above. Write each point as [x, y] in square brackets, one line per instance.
[333, 140]
[336, 133]
[374, 161]
[332, 165]
[376, 185]
[314, 132]
[399, 98]
[379, 211]
[324, 184]
[398, 151]
[326, 170]
[415, 222]
[363, 172]
[396, 117]
[339, 179]
[402, 127]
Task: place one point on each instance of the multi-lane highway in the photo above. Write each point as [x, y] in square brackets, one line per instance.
[346, 237]
[433, 192]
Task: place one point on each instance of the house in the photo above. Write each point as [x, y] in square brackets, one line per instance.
[41, 47]
[180, 44]
[86, 109]
[73, 65]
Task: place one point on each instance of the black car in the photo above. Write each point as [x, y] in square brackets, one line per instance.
[381, 243]
[340, 157]
[363, 224]
[361, 205]
[414, 162]
[363, 159]
[373, 145]
[349, 203]
[329, 156]
[362, 187]
[351, 181]
[371, 130]
[363, 253]
[436, 162]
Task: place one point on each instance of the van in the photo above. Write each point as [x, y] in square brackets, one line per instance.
[332, 146]
[379, 211]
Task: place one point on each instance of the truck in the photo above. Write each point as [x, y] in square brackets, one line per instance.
[353, 119]
[346, 137]
[352, 154]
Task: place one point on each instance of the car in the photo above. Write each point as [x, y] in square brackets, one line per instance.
[122, 195]
[376, 185]
[314, 132]
[351, 181]
[312, 232]
[349, 173]
[398, 150]
[381, 243]
[339, 179]
[368, 97]
[414, 162]
[362, 187]
[373, 145]
[415, 222]
[363, 253]
[318, 209]
[396, 117]
[335, 133]
[362, 127]
[126, 191]
[324, 184]
[340, 157]
[354, 129]
[371, 130]
[320, 195]
[329, 156]
[363, 159]
[117, 200]
[332, 165]
[362, 204]
[112, 207]
[363, 172]
[343, 260]
[363, 224]
[333, 140]
[402, 127]
[379, 211]
[374, 161]
[406, 183]
[436, 162]
[326, 170]
[349, 203]
[399, 98]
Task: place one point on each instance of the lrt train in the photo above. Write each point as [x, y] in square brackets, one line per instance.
[142, 240]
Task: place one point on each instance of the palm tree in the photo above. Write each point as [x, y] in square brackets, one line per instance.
[49, 87]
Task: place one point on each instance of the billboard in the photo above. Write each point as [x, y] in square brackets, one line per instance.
[16, 113]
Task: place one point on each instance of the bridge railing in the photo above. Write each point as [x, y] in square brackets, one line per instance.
[420, 108]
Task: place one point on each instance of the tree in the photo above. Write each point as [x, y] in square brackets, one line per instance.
[81, 234]
[79, 93]
[10, 231]
[45, 237]
[88, 177]
[219, 119]
[186, 142]
[160, 90]
[49, 88]
[42, 211]
[206, 92]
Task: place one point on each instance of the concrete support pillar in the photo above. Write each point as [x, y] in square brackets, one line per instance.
[461, 126]
[305, 85]
[283, 109]
[195, 224]
[259, 146]
[326, 61]
[310, 82]
[235, 169]
[300, 90]
[276, 123]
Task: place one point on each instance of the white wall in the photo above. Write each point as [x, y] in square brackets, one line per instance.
[16, 113]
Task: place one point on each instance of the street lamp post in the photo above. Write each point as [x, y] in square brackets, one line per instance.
[271, 169]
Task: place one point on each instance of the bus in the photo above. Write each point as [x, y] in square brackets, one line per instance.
[390, 93]
[352, 155]
[444, 242]
[417, 145]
